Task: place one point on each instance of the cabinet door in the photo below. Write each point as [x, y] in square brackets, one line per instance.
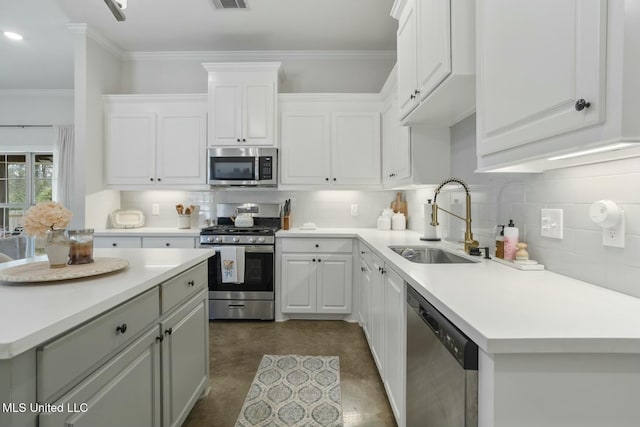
[225, 112]
[377, 313]
[131, 148]
[394, 342]
[181, 147]
[185, 360]
[298, 283]
[396, 148]
[334, 283]
[117, 242]
[536, 59]
[407, 60]
[365, 297]
[434, 44]
[355, 148]
[258, 113]
[305, 149]
[123, 392]
[169, 242]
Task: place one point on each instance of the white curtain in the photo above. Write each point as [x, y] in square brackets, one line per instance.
[63, 165]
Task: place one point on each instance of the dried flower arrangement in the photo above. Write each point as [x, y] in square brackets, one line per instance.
[46, 216]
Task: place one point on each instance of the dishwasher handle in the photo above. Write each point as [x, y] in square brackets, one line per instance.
[431, 321]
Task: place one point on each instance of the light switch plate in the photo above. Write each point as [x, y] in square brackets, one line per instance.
[551, 223]
[155, 208]
[355, 211]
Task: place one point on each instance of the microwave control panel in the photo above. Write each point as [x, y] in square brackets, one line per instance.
[266, 168]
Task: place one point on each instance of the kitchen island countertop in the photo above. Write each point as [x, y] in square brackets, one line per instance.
[33, 313]
[505, 310]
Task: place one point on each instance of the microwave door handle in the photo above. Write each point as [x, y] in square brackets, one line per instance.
[256, 175]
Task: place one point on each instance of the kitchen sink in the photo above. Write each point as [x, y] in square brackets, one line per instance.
[425, 255]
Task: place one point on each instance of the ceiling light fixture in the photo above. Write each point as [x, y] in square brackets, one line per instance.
[116, 7]
[12, 35]
[611, 147]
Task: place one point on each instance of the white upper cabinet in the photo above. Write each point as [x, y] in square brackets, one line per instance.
[155, 140]
[555, 78]
[330, 140]
[242, 103]
[436, 63]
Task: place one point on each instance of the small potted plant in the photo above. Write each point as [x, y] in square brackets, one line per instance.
[49, 220]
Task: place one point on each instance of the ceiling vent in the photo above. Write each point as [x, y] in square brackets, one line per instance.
[229, 4]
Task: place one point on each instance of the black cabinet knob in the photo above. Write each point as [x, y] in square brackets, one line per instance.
[319, 260]
[581, 104]
[114, 244]
[168, 331]
[191, 283]
[314, 260]
[238, 139]
[150, 179]
[244, 140]
[160, 338]
[326, 179]
[317, 245]
[363, 269]
[167, 244]
[159, 179]
[122, 328]
[334, 179]
[412, 96]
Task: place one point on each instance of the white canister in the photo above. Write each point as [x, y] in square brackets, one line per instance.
[184, 221]
[384, 223]
[387, 212]
[398, 222]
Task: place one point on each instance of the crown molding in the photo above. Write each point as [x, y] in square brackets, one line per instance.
[261, 55]
[36, 92]
[97, 37]
[137, 98]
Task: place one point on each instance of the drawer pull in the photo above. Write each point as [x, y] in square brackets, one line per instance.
[314, 260]
[168, 331]
[160, 338]
[236, 306]
[317, 246]
[114, 244]
[167, 244]
[122, 328]
[319, 260]
[191, 283]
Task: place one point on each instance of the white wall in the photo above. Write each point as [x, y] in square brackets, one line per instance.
[324, 208]
[97, 72]
[324, 74]
[498, 198]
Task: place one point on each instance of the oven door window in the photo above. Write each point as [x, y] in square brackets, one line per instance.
[258, 274]
[232, 168]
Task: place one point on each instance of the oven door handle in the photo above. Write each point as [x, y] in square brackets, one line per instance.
[265, 249]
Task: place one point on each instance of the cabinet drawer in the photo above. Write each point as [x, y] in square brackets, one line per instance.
[183, 286]
[117, 242]
[317, 245]
[65, 360]
[169, 242]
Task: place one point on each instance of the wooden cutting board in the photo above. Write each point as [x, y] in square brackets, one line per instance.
[399, 205]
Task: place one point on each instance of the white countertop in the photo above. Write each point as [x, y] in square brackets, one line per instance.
[147, 232]
[505, 310]
[33, 313]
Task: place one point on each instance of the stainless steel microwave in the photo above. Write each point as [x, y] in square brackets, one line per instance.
[242, 166]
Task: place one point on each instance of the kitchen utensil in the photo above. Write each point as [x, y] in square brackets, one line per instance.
[399, 205]
[180, 209]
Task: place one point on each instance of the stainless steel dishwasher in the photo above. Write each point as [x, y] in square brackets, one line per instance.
[442, 369]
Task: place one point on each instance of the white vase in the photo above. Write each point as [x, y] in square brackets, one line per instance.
[57, 248]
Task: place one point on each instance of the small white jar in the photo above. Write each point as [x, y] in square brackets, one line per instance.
[384, 223]
[398, 222]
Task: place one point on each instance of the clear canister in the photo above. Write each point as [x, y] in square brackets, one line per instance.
[81, 246]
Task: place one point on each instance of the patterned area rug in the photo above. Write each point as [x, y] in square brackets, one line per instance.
[294, 391]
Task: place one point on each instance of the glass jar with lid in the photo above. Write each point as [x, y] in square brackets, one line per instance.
[81, 246]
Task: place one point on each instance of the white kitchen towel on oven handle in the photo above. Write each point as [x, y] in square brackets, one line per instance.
[240, 263]
[229, 264]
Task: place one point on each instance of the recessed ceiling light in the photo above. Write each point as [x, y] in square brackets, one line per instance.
[12, 36]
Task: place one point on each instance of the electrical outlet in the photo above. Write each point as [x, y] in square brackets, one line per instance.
[614, 236]
[155, 208]
[551, 223]
[355, 211]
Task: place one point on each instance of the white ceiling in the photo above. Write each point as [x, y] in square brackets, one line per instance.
[44, 59]
[195, 25]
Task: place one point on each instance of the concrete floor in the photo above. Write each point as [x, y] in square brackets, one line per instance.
[237, 347]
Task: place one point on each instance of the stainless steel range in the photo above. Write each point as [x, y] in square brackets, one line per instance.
[251, 296]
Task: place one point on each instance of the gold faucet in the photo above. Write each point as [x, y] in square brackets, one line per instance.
[468, 235]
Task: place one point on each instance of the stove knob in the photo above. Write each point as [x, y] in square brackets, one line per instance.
[260, 239]
[251, 240]
[236, 239]
[218, 239]
[210, 239]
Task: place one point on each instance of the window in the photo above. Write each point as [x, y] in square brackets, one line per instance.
[25, 179]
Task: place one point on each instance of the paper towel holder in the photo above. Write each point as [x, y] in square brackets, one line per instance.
[433, 236]
[608, 215]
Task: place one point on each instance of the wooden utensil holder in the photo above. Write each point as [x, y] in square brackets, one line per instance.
[286, 222]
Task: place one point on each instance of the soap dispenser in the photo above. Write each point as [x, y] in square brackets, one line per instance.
[510, 241]
[500, 242]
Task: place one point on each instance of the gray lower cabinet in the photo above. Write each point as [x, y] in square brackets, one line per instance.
[185, 359]
[131, 376]
[152, 379]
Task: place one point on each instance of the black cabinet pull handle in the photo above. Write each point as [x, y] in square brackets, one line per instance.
[159, 179]
[122, 328]
[326, 179]
[150, 179]
[363, 252]
[191, 282]
[317, 246]
[416, 92]
[412, 96]
[160, 338]
[238, 139]
[168, 331]
[167, 244]
[383, 271]
[334, 179]
[313, 260]
[319, 260]
[114, 244]
[581, 104]
[363, 269]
